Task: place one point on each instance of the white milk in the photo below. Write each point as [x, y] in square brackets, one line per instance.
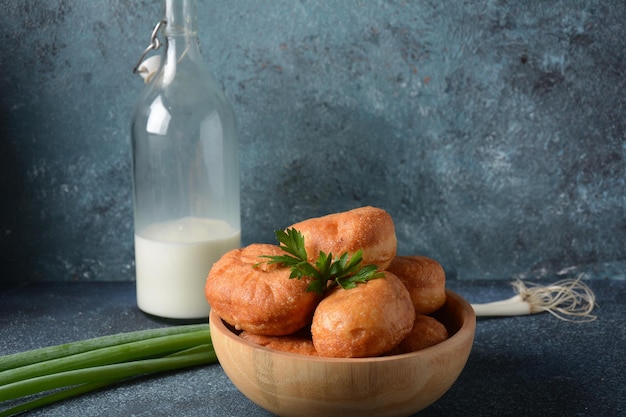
[173, 260]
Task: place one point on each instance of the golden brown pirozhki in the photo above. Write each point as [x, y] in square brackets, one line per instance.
[368, 228]
[261, 299]
[299, 342]
[427, 331]
[424, 278]
[368, 320]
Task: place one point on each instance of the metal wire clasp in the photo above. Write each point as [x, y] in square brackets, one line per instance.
[155, 43]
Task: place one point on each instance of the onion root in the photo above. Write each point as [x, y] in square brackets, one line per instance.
[567, 299]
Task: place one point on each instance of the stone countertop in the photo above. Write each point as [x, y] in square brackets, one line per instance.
[519, 366]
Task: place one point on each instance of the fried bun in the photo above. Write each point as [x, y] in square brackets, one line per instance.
[367, 228]
[252, 295]
[299, 342]
[365, 321]
[427, 331]
[424, 278]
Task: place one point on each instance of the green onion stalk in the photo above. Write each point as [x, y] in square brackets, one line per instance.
[43, 376]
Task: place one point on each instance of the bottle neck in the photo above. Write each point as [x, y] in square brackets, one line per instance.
[181, 30]
[181, 17]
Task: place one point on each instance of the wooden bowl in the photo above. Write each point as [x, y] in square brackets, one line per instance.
[289, 384]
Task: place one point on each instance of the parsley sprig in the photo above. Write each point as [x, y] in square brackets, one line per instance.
[327, 272]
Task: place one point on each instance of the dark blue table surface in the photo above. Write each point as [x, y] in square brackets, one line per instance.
[519, 366]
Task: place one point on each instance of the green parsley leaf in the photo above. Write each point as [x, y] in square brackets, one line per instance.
[326, 272]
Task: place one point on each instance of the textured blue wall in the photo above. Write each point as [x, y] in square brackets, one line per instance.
[494, 132]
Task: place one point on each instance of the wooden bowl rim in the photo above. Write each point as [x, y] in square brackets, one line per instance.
[465, 331]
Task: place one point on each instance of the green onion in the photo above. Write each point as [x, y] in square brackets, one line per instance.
[39, 355]
[84, 366]
[57, 396]
[108, 355]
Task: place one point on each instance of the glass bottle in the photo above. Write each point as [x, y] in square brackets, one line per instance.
[185, 169]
